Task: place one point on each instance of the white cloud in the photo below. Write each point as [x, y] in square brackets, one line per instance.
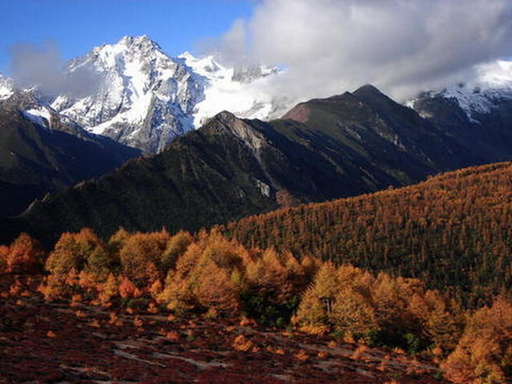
[41, 66]
[401, 46]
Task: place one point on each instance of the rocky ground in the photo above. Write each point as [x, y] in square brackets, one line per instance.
[81, 343]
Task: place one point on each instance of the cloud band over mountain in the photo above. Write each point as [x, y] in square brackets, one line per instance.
[329, 46]
[41, 66]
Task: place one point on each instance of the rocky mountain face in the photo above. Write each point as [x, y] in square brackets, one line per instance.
[344, 145]
[42, 151]
[145, 98]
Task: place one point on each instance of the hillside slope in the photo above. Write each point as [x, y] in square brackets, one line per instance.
[324, 149]
[452, 230]
[41, 152]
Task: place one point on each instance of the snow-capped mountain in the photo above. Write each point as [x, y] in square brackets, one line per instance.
[31, 105]
[136, 94]
[43, 151]
[240, 89]
[485, 94]
[6, 87]
[146, 98]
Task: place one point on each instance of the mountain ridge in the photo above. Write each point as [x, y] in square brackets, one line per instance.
[349, 144]
[142, 97]
[147, 98]
[42, 151]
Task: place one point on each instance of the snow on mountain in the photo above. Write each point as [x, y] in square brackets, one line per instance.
[146, 98]
[6, 88]
[240, 89]
[27, 101]
[492, 87]
[41, 116]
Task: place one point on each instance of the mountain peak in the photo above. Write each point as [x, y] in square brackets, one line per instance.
[138, 41]
[187, 56]
[127, 46]
[369, 94]
[368, 89]
[145, 99]
[224, 117]
[242, 129]
[205, 66]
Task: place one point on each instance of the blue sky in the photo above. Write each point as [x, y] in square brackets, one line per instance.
[78, 25]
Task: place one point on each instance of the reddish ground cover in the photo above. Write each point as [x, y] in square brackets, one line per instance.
[60, 342]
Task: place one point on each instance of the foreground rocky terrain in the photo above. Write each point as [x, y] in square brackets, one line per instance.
[76, 342]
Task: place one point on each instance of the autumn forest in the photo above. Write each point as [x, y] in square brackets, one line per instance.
[424, 269]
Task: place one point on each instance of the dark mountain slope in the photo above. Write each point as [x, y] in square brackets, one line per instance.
[391, 136]
[37, 159]
[489, 133]
[323, 149]
[228, 169]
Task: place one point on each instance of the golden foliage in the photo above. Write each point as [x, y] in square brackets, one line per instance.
[140, 257]
[311, 316]
[109, 288]
[128, 290]
[79, 251]
[302, 355]
[23, 256]
[352, 312]
[484, 353]
[453, 229]
[360, 352]
[177, 294]
[175, 248]
[220, 277]
[213, 288]
[241, 343]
